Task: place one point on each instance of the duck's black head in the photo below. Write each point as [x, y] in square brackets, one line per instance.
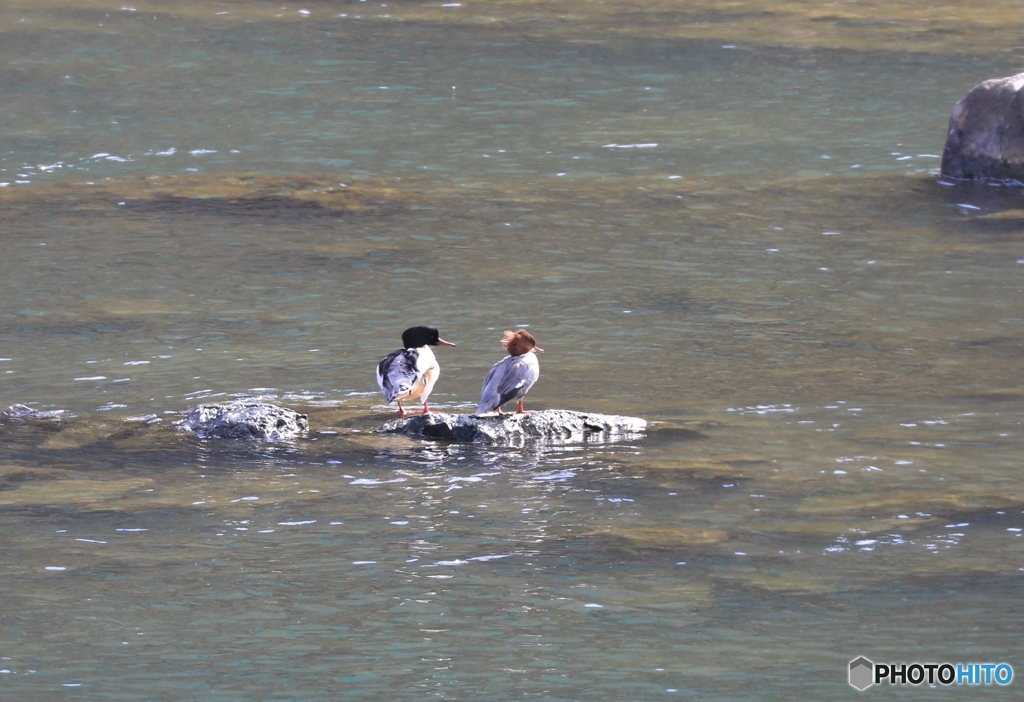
[414, 337]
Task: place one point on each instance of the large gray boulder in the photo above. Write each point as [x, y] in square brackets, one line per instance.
[544, 426]
[986, 132]
[244, 420]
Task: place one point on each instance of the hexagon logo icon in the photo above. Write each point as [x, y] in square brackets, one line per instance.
[862, 673]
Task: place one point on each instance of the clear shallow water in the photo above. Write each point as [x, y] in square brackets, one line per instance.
[741, 241]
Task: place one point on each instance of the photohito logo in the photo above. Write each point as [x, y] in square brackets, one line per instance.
[864, 673]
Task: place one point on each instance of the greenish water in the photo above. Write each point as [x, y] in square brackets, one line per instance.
[728, 224]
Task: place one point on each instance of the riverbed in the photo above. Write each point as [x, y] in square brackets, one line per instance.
[724, 219]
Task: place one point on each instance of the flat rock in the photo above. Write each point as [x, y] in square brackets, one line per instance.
[545, 426]
[244, 420]
[19, 411]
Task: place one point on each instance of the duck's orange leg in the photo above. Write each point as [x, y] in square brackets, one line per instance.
[519, 409]
[401, 412]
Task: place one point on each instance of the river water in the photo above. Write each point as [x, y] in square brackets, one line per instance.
[725, 219]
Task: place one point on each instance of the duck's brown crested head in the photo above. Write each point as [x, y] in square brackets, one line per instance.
[518, 342]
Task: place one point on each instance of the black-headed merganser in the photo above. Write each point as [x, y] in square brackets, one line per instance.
[411, 372]
[513, 376]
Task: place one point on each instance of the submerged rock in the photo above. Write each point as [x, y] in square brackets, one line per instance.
[244, 420]
[47, 490]
[551, 426]
[666, 537]
[986, 132]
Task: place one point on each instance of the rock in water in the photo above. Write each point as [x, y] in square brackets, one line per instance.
[244, 420]
[544, 426]
[986, 132]
[20, 411]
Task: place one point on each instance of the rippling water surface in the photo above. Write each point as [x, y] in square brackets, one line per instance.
[726, 220]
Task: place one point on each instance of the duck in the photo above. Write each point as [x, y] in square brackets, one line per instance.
[412, 370]
[513, 376]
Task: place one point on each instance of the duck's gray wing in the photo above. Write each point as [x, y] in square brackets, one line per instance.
[397, 372]
[509, 379]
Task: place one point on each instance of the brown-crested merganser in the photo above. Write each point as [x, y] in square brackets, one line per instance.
[513, 376]
[411, 372]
